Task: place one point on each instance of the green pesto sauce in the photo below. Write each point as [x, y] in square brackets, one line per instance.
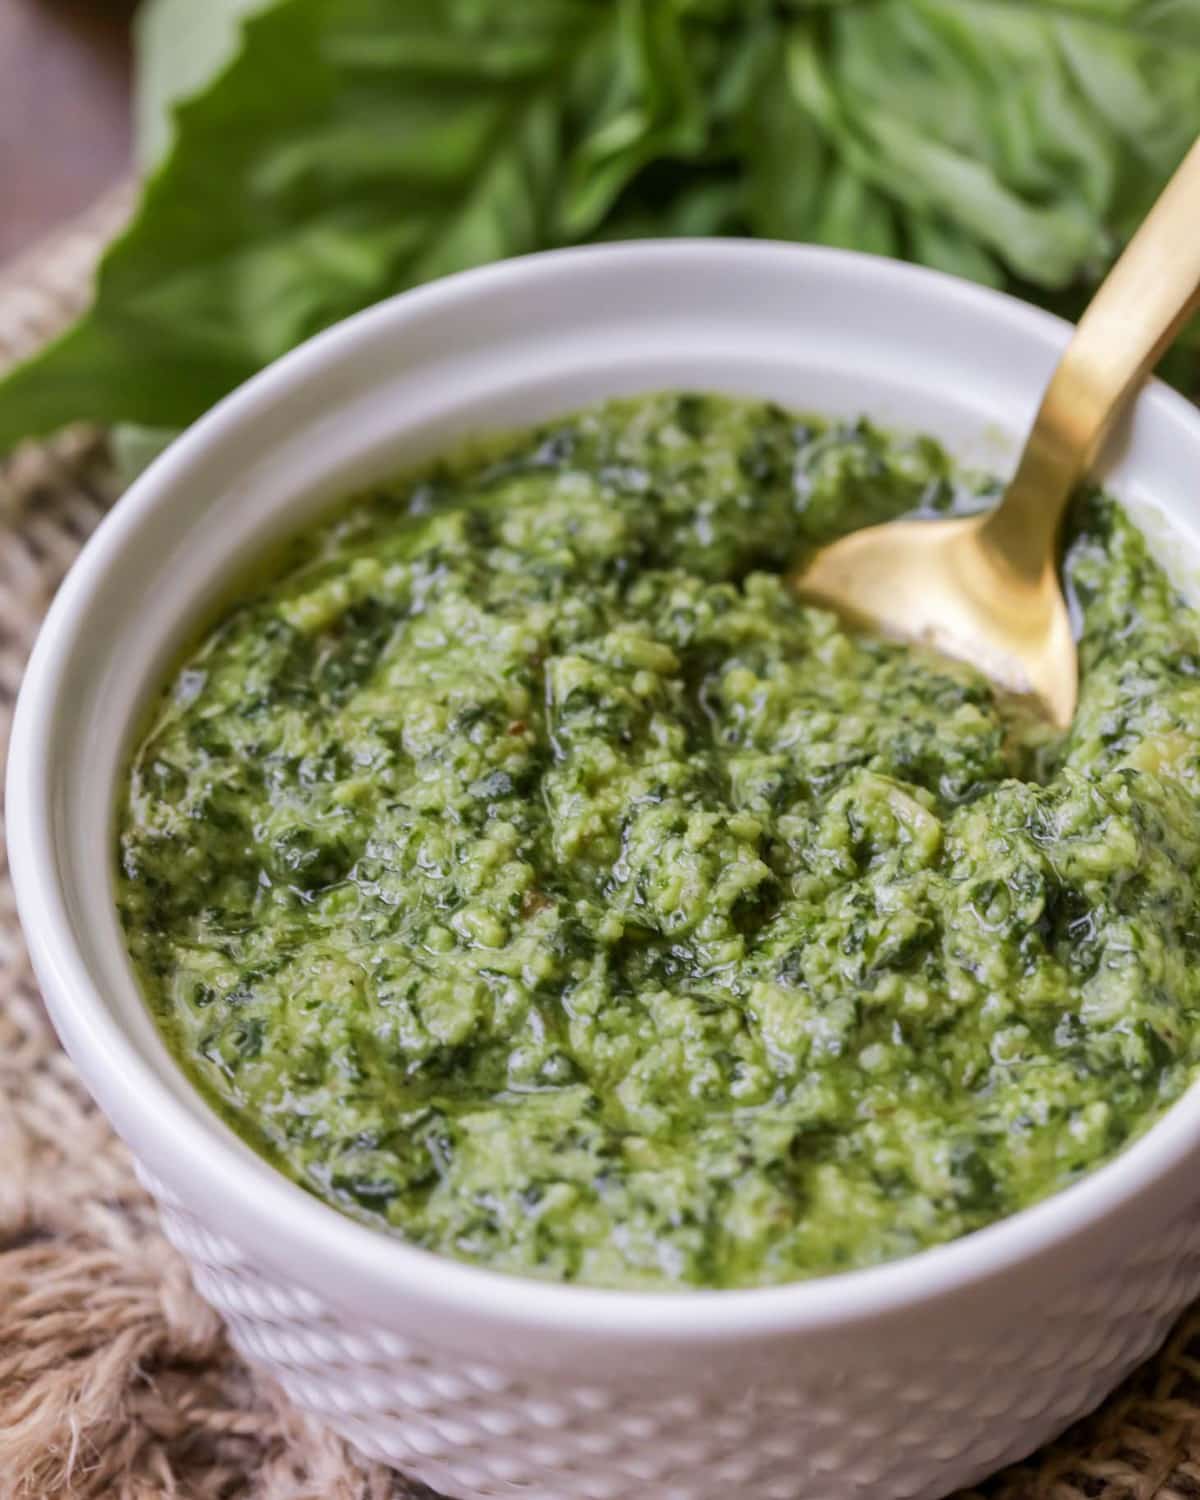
[528, 872]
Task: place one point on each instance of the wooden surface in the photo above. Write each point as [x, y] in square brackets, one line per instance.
[64, 110]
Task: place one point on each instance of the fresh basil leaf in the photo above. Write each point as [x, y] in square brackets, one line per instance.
[312, 156]
[134, 449]
[1010, 143]
[646, 107]
[181, 46]
[351, 149]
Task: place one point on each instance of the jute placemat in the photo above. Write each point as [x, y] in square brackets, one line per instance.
[115, 1379]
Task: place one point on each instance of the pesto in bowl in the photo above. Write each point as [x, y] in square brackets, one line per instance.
[525, 870]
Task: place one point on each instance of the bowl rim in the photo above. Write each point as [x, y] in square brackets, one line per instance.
[324, 1246]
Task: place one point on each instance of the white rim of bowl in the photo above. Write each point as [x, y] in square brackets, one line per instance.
[325, 1246]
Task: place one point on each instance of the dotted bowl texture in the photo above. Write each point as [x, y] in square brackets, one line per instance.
[904, 1420]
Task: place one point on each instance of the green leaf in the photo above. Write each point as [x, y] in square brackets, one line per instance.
[312, 156]
[945, 247]
[351, 149]
[135, 448]
[181, 46]
[695, 204]
[644, 105]
[1014, 141]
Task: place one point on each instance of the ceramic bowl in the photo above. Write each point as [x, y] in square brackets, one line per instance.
[905, 1380]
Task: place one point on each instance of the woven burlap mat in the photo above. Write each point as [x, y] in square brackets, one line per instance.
[115, 1379]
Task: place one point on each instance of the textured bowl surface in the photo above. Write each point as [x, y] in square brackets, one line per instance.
[906, 1380]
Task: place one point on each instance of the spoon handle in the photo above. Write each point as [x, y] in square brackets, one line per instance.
[1145, 300]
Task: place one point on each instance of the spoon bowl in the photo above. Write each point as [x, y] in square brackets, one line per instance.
[941, 584]
[986, 588]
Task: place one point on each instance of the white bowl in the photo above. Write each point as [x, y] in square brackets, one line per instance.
[906, 1380]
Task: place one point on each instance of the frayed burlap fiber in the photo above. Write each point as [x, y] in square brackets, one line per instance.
[115, 1379]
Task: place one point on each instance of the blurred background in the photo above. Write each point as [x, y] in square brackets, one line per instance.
[301, 159]
[65, 74]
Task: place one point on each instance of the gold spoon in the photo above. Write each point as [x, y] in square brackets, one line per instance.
[986, 587]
